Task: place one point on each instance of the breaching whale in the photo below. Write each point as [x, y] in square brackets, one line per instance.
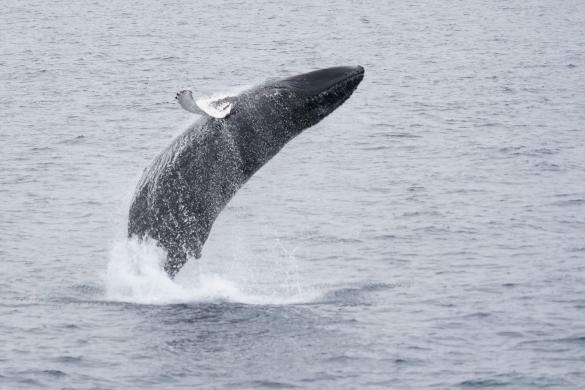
[186, 186]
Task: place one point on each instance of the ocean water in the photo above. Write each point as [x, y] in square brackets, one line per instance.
[430, 233]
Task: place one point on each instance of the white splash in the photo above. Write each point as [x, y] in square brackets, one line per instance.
[135, 274]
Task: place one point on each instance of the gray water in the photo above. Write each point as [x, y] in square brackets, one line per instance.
[428, 234]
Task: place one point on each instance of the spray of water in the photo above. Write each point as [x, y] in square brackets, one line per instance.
[135, 274]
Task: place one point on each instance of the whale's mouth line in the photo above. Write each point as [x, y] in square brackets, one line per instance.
[358, 74]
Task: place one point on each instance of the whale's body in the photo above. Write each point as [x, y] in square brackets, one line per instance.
[187, 185]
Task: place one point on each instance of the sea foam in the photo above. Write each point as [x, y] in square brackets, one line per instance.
[135, 274]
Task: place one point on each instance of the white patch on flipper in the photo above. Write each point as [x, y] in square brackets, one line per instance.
[217, 105]
[217, 108]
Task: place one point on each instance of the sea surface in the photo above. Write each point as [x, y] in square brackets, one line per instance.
[430, 233]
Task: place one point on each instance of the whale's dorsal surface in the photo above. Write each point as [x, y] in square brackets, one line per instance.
[215, 108]
[189, 183]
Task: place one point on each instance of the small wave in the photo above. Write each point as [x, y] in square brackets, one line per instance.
[41, 149]
[75, 140]
[356, 295]
[482, 383]
[572, 340]
[268, 384]
[569, 202]
[68, 359]
[135, 274]
[55, 373]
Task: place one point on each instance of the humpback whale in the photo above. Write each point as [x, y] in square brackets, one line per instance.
[183, 190]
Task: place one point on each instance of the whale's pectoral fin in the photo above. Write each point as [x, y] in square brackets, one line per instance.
[216, 108]
[185, 99]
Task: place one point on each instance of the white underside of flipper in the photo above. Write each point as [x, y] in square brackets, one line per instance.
[216, 108]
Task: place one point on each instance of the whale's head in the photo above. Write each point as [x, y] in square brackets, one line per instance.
[309, 97]
[303, 100]
[278, 110]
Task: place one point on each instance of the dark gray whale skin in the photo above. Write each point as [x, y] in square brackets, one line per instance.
[187, 185]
